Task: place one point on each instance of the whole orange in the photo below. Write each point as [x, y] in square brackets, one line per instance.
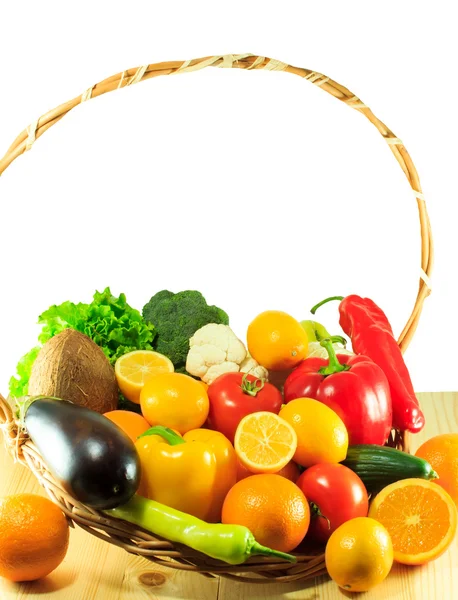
[441, 451]
[272, 507]
[276, 340]
[131, 423]
[34, 537]
[174, 400]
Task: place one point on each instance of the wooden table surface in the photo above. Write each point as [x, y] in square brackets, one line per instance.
[95, 569]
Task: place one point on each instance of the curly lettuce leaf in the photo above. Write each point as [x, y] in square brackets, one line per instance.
[108, 321]
[64, 316]
[117, 327]
[18, 386]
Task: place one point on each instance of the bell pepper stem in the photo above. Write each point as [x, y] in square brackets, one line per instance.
[317, 306]
[259, 549]
[334, 365]
[335, 339]
[168, 434]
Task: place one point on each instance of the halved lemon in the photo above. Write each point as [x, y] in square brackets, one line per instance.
[420, 517]
[264, 442]
[133, 369]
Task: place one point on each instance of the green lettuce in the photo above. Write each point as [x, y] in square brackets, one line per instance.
[18, 385]
[108, 320]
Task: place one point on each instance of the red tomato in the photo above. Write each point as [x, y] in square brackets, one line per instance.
[336, 493]
[234, 395]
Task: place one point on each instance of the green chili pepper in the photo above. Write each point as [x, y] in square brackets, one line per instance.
[233, 544]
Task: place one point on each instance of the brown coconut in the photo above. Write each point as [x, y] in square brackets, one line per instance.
[72, 367]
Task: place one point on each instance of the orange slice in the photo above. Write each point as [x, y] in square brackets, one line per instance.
[264, 442]
[420, 516]
[133, 369]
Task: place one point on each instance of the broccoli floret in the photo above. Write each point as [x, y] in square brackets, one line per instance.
[176, 317]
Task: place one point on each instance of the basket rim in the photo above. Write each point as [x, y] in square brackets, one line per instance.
[125, 535]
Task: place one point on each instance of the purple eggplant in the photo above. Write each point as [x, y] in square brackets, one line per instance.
[91, 457]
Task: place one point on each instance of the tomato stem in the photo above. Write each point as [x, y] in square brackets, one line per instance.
[252, 387]
[316, 512]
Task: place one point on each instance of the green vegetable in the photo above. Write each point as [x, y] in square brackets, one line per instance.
[233, 544]
[176, 317]
[18, 386]
[312, 328]
[317, 332]
[378, 466]
[108, 321]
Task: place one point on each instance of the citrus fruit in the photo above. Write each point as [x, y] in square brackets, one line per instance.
[131, 423]
[321, 434]
[133, 369]
[264, 442]
[34, 537]
[420, 517]
[359, 554]
[441, 451]
[290, 471]
[276, 340]
[273, 508]
[174, 400]
[203, 384]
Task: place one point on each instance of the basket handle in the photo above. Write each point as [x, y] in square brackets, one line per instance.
[6, 414]
[26, 139]
[8, 424]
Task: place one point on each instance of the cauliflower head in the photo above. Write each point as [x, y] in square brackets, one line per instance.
[315, 349]
[215, 349]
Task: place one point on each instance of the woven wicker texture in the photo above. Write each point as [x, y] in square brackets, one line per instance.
[122, 534]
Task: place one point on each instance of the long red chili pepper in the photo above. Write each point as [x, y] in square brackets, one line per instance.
[371, 334]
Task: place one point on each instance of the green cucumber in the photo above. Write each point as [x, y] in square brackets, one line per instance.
[378, 466]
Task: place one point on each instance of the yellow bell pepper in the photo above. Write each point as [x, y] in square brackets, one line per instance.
[192, 473]
[226, 467]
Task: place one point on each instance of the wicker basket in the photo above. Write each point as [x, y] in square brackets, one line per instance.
[134, 540]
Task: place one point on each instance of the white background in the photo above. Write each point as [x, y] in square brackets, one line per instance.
[256, 188]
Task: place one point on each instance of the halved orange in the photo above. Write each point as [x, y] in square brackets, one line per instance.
[420, 517]
[264, 442]
[133, 369]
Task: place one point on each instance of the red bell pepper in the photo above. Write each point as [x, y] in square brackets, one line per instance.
[371, 334]
[353, 386]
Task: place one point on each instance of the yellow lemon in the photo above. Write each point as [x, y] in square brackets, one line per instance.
[133, 369]
[359, 554]
[321, 434]
[264, 442]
